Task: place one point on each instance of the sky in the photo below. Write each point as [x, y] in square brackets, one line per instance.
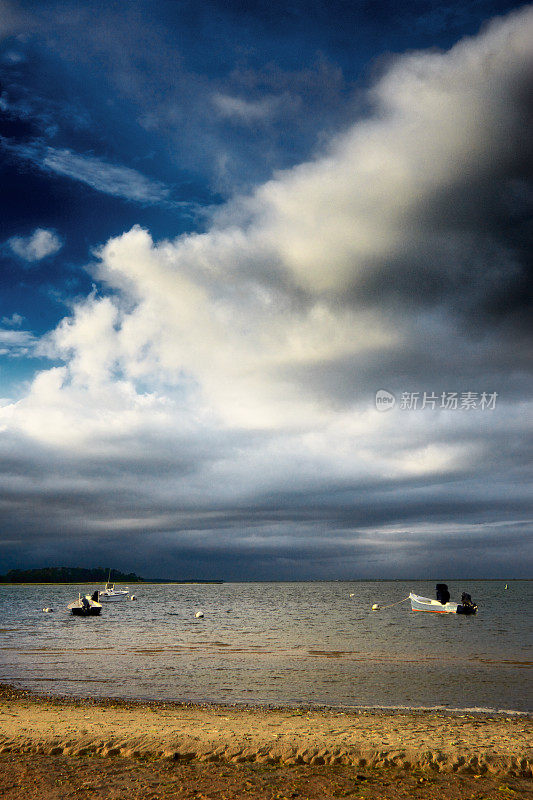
[265, 288]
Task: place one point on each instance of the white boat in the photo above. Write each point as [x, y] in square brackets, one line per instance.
[110, 594]
[427, 604]
[443, 605]
[86, 606]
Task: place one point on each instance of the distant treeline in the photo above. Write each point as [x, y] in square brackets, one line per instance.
[81, 575]
[68, 575]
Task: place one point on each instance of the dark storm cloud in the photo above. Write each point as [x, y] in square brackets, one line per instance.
[99, 503]
[434, 362]
[475, 257]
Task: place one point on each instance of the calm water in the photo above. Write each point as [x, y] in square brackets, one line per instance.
[277, 643]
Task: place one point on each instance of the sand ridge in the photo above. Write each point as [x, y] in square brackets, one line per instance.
[443, 742]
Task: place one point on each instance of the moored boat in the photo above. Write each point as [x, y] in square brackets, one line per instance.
[86, 606]
[110, 594]
[442, 604]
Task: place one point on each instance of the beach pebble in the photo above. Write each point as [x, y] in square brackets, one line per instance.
[199, 614]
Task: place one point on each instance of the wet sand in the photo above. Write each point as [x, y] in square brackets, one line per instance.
[203, 749]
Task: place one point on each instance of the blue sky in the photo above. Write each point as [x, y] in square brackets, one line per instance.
[225, 226]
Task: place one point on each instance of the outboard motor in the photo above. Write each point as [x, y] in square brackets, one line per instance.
[467, 605]
[443, 594]
[94, 596]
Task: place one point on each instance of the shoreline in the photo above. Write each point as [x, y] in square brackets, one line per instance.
[16, 689]
[431, 741]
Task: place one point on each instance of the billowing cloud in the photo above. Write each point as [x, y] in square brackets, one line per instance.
[418, 204]
[219, 393]
[40, 244]
[402, 252]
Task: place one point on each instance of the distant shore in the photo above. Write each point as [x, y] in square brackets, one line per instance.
[84, 575]
[116, 583]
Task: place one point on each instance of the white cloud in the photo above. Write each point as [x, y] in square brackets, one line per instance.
[251, 112]
[105, 177]
[15, 320]
[99, 174]
[39, 245]
[17, 343]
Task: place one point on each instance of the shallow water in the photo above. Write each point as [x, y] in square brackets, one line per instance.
[276, 643]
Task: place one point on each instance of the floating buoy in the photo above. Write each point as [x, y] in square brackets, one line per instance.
[133, 597]
[377, 607]
[48, 610]
[352, 595]
[199, 614]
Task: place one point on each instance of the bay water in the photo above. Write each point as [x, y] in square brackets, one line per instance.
[280, 644]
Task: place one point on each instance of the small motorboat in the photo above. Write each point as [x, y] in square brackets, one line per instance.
[110, 594]
[86, 606]
[442, 604]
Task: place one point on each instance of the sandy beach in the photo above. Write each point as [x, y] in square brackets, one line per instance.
[420, 751]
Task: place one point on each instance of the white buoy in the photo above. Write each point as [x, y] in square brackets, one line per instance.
[199, 614]
[377, 607]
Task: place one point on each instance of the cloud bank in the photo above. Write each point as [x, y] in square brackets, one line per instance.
[216, 400]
